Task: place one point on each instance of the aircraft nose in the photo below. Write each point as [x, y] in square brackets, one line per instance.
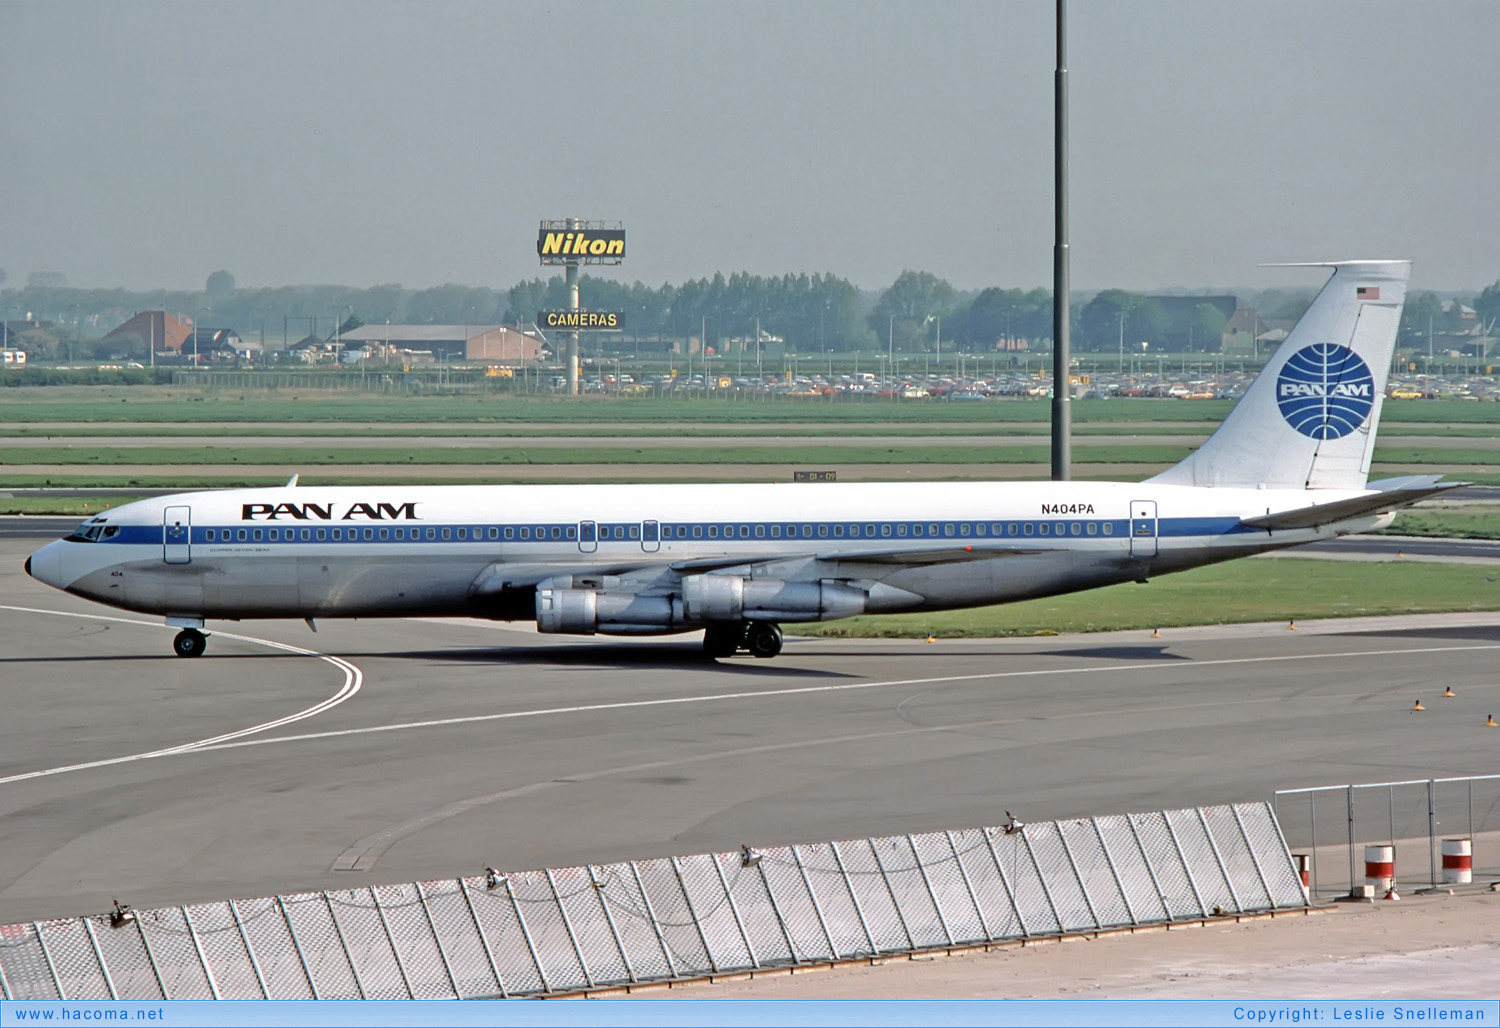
[45, 565]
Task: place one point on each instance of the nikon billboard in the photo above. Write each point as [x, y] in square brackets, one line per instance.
[582, 321]
[562, 243]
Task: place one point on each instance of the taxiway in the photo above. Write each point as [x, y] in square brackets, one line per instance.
[387, 751]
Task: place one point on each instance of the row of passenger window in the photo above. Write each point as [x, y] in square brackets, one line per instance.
[606, 533]
[841, 530]
[462, 533]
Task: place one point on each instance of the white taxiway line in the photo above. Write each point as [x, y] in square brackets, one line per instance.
[842, 687]
[353, 679]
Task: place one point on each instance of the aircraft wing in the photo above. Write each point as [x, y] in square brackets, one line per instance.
[1391, 494]
[905, 556]
[946, 555]
[698, 566]
[509, 576]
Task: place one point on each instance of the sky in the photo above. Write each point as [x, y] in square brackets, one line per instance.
[146, 144]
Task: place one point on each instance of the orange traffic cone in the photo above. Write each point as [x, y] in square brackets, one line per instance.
[1448, 693]
[1391, 892]
[1417, 706]
[931, 638]
[1489, 722]
[1156, 633]
[1291, 625]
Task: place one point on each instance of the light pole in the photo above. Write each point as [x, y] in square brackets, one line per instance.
[938, 359]
[196, 323]
[76, 322]
[338, 325]
[12, 307]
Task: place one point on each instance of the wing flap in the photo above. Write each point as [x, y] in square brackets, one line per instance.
[945, 555]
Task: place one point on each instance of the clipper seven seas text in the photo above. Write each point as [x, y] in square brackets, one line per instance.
[1288, 466]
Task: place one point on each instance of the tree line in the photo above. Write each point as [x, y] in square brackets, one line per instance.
[812, 313]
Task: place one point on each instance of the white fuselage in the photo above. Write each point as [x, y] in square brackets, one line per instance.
[482, 550]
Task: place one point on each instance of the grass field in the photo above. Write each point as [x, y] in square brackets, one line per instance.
[114, 404]
[302, 431]
[672, 453]
[180, 427]
[512, 430]
[1262, 589]
[108, 404]
[689, 451]
[1477, 522]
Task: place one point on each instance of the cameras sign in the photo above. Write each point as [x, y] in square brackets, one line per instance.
[582, 321]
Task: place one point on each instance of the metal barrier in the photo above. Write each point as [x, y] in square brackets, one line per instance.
[600, 927]
[1402, 815]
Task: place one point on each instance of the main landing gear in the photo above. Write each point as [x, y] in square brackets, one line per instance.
[761, 638]
[190, 643]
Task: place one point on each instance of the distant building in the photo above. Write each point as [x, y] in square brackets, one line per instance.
[1241, 330]
[217, 344]
[312, 349]
[489, 344]
[150, 328]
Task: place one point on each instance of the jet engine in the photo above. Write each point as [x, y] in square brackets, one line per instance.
[708, 598]
[580, 606]
[586, 611]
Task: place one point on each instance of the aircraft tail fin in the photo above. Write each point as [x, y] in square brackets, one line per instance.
[1309, 420]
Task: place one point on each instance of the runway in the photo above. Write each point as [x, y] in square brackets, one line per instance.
[388, 751]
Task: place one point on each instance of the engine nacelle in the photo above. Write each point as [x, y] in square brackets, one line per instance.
[711, 598]
[586, 611]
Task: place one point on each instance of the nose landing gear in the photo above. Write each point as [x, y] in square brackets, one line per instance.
[189, 643]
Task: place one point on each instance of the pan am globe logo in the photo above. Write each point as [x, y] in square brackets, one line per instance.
[1325, 391]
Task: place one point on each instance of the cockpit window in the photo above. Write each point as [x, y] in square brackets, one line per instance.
[89, 531]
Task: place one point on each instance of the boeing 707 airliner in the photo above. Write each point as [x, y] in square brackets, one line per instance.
[1288, 466]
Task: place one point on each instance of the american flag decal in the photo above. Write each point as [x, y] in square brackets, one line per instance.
[1367, 292]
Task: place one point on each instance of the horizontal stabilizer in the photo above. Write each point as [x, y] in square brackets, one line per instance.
[1407, 491]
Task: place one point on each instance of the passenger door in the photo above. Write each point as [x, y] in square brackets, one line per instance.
[588, 536]
[177, 535]
[650, 536]
[1143, 529]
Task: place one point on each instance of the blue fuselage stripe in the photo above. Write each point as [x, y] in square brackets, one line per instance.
[609, 532]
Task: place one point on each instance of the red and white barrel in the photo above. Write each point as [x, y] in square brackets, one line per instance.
[1303, 860]
[1380, 867]
[1458, 861]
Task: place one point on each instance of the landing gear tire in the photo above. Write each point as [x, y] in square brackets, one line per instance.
[189, 643]
[723, 640]
[763, 639]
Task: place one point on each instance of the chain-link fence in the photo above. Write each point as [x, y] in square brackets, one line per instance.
[576, 929]
[1414, 818]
